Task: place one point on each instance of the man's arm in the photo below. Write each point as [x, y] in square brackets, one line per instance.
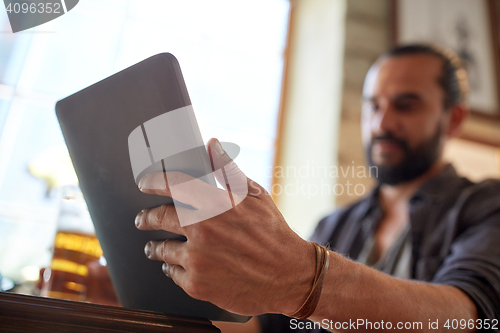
[247, 260]
[353, 292]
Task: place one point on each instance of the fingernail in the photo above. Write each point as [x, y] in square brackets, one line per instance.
[147, 249]
[138, 219]
[218, 148]
[165, 269]
[142, 183]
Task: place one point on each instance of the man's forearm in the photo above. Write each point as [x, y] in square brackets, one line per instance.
[352, 291]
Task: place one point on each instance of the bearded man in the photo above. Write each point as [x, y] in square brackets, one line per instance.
[421, 252]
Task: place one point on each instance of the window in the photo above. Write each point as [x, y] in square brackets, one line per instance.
[231, 53]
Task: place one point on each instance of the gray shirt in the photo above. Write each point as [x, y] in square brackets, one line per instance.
[454, 230]
[395, 262]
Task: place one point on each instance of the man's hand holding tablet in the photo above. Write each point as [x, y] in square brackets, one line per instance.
[244, 260]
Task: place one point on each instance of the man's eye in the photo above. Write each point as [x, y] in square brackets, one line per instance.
[404, 107]
[374, 107]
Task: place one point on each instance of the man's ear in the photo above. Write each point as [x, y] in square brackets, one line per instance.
[458, 114]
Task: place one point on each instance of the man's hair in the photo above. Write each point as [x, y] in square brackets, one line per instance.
[454, 77]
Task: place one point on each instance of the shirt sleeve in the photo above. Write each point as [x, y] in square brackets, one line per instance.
[474, 262]
[277, 323]
[271, 323]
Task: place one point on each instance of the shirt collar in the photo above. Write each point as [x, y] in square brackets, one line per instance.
[439, 186]
[370, 205]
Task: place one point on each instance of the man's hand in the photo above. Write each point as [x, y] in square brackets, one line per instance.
[246, 260]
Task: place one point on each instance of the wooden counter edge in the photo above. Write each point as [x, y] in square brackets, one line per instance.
[23, 313]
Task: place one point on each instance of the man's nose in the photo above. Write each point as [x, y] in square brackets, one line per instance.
[385, 120]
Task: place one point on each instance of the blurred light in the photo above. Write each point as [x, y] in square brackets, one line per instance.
[30, 273]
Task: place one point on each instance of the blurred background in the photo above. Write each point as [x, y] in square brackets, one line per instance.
[282, 79]
[231, 54]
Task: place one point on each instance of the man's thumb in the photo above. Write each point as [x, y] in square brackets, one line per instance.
[228, 174]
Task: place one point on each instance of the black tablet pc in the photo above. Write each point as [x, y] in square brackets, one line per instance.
[112, 130]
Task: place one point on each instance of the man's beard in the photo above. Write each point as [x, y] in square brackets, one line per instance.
[414, 163]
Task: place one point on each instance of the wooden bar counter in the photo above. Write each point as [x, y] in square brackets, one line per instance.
[21, 313]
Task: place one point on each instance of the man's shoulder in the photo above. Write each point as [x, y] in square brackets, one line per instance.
[481, 199]
[488, 185]
[485, 191]
[450, 185]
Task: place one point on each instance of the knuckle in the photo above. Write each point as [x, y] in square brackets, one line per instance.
[152, 181]
[162, 249]
[148, 220]
[232, 169]
[263, 191]
[160, 214]
[174, 178]
[204, 234]
[258, 188]
[194, 289]
[194, 262]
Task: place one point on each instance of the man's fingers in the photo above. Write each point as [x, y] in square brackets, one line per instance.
[175, 272]
[169, 251]
[155, 183]
[226, 171]
[163, 217]
[183, 188]
[230, 175]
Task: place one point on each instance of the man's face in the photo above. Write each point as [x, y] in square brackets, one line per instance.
[403, 118]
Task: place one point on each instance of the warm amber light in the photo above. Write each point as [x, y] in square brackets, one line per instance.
[78, 243]
[69, 267]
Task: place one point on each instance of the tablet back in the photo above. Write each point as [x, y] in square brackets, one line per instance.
[104, 129]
